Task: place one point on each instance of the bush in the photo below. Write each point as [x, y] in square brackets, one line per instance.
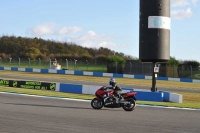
[118, 59]
[115, 64]
[173, 62]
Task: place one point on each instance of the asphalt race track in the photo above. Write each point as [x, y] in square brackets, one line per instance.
[52, 79]
[23, 114]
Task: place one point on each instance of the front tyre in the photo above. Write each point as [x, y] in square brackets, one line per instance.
[130, 106]
[97, 103]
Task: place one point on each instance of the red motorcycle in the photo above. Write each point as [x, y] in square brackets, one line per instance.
[106, 97]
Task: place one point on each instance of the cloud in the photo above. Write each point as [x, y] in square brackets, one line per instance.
[92, 36]
[69, 30]
[180, 3]
[50, 29]
[180, 14]
[42, 29]
[176, 3]
[92, 40]
[194, 2]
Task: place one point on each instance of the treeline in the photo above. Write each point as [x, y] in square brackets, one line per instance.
[183, 63]
[35, 48]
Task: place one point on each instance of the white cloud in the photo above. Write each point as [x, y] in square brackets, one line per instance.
[42, 29]
[50, 29]
[90, 39]
[68, 30]
[180, 14]
[91, 35]
[109, 45]
[93, 40]
[194, 2]
[176, 3]
[180, 3]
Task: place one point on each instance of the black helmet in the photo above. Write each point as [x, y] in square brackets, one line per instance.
[112, 81]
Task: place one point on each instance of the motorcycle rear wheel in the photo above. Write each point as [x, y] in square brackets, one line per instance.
[97, 103]
[131, 106]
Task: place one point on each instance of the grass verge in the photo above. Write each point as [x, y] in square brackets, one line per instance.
[131, 81]
[190, 100]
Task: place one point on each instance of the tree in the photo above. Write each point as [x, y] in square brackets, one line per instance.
[35, 47]
[118, 59]
[173, 62]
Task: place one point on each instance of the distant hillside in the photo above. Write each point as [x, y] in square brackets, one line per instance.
[34, 48]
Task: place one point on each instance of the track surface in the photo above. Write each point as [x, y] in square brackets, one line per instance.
[93, 83]
[23, 114]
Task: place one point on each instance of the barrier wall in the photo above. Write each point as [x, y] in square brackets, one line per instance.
[172, 97]
[100, 74]
[90, 89]
[28, 84]
[141, 95]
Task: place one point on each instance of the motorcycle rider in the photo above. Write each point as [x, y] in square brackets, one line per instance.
[116, 88]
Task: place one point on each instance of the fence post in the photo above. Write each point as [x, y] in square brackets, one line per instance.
[49, 63]
[39, 62]
[116, 67]
[10, 60]
[0, 60]
[67, 64]
[29, 62]
[19, 61]
[87, 64]
[75, 64]
[191, 71]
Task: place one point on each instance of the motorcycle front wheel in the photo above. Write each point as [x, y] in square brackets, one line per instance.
[130, 106]
[96, 103]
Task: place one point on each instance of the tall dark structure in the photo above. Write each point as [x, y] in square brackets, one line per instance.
[154, 40]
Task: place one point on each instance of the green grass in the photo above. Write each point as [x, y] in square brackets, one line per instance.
[45, 93]
[131, 81]
[190, 100]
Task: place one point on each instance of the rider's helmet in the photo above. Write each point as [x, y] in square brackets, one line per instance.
[112, 81]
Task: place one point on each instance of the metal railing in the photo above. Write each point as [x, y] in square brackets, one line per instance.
[65, 64]
[164, 71]
[129, 68]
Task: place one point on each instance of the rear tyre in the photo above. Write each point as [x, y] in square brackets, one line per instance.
[96, 103]
[131, 106]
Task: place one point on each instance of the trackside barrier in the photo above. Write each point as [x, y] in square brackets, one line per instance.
[172, 97]
[100, 74]
[28, 84]
[149, 96]
[177, 98]
[90, 89]
[141, 95]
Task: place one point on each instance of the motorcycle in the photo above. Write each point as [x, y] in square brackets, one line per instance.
[106, 97]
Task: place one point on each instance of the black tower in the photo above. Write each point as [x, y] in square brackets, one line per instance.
[154, 40]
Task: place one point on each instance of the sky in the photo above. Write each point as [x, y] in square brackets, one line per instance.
[112, 24]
